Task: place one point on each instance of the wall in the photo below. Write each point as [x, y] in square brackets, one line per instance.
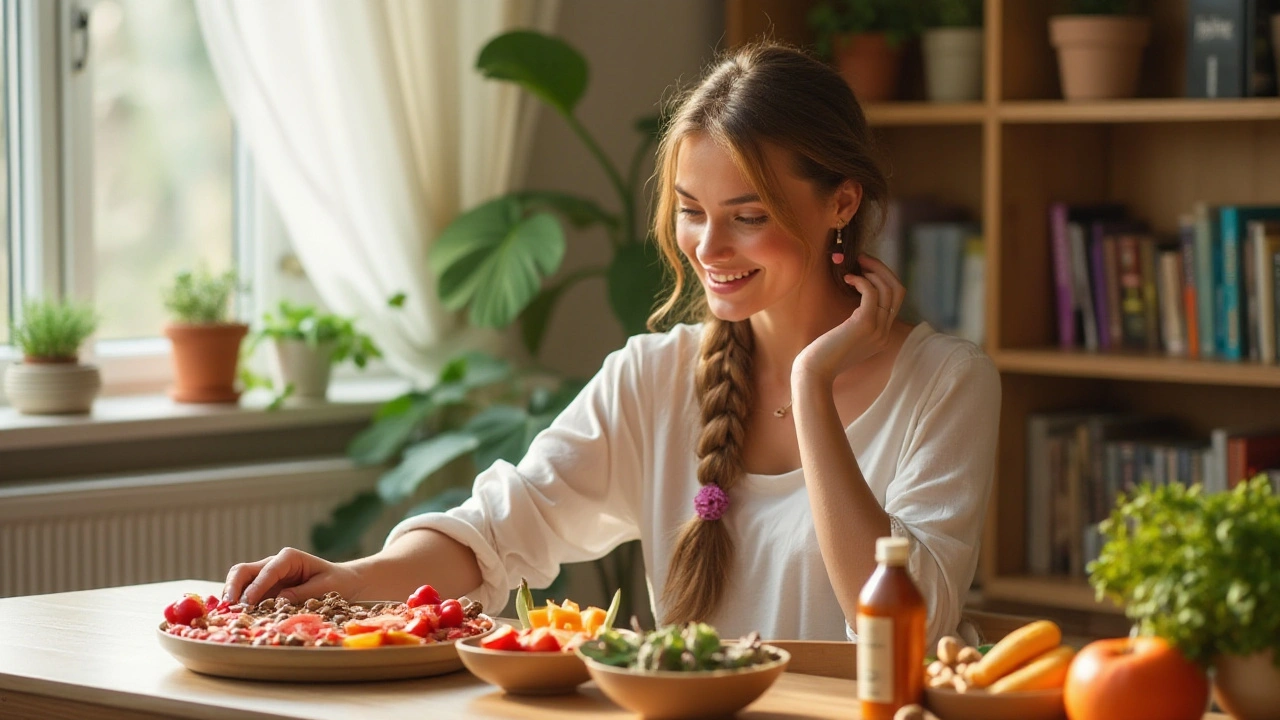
[637, 50]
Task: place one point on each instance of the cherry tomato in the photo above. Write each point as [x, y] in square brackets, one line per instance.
[450, 614]
[504, 638]
[187, 609]
[425, 595]
[171, 613]
[421, 626]
[211, 603]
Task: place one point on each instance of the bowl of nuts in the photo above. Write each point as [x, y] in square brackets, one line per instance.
[1018, 678]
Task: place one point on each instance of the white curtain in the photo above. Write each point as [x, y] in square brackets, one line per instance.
[371, 129]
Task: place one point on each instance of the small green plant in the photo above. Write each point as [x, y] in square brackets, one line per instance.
[1200, 570]
[53, 331]
[1104, 7]
[306, 324]
[200, 297]
[953, 13]
[899, 20]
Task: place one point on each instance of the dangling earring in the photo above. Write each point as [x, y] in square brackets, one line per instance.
[837, 253]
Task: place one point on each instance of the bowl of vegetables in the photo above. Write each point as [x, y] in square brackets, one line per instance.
[679, 673]
[538, 657]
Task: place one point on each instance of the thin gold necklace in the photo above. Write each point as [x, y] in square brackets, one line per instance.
[782, 411]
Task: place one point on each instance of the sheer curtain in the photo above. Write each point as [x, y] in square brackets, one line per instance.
[371, 129]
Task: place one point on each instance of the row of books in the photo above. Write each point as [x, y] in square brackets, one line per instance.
[1209, 292]
[1078, 464]
[940, 257]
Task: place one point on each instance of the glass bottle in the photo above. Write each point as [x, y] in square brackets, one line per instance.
[891, 634]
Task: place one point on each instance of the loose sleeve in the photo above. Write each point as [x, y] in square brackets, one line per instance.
[938, 497]
[572, 498]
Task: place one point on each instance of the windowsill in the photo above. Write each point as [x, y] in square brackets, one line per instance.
[144, 417]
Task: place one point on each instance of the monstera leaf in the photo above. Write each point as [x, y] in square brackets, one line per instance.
[635, 284]
[493, 259]
[543, 65]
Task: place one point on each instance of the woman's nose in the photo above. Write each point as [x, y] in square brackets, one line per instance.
[715, 245]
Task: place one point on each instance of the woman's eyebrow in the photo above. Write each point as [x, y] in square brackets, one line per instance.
[749, 197]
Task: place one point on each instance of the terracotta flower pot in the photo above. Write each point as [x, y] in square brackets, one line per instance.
[52, 388]
[307, 368]
[870, 64]
[1099, 57]
[1248, 687]
[953, 64]
[205, 358]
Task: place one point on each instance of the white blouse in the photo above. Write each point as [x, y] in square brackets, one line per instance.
[619, 464]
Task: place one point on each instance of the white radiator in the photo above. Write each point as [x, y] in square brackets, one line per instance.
[61, 536]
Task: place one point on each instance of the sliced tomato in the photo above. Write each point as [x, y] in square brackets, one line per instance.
[540, 640]
[420, 626]
[504, 638]
[307, 625]
[385, 621]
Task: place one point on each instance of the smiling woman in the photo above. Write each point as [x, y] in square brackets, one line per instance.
[749, 518]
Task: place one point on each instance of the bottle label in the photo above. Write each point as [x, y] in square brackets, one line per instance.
[875, 659]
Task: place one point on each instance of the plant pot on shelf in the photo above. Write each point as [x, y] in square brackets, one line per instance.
[302, 365]
[205, 358]
[1247, 687]
[870, 64]
[37, 387]
[1099, 57]
[953, 64]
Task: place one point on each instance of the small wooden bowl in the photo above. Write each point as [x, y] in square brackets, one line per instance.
[524, 673]
[948, 704]
[687, 695]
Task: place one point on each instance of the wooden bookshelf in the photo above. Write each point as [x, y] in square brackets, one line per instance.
[1006, 159]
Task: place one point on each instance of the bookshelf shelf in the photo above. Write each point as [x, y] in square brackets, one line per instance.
[1059, 593]
[1139, 111]
[900, 114]
[1150, 368]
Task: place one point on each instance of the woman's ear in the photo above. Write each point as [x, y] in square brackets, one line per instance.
[847, 199]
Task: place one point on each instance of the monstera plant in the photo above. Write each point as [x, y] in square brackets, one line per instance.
[496, 262]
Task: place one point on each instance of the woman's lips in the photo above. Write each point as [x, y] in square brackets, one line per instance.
[724, 288]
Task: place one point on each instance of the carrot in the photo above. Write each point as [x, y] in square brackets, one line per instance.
[1045, 672]
[1017, 648]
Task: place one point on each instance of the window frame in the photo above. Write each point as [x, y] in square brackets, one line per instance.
[51, 188]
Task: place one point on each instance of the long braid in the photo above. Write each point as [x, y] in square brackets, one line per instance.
[704, 552]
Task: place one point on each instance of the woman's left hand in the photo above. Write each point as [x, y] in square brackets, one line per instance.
[865, 332]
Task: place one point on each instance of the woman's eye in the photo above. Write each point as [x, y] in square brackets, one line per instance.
[756, 220]
[690, 212]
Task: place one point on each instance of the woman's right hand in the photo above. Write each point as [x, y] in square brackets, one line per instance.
[291, 574]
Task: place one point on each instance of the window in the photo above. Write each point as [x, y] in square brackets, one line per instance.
[162, 150]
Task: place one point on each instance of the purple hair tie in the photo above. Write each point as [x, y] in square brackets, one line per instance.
[711, 502]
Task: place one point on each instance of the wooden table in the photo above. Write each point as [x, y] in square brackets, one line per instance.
[94, 655]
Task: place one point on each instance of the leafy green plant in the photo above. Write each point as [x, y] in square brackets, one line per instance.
[200, 297]
[493, 259]
[305, 323]
[1103, 7]
[1200, 570]
[829, 19]
[52, 330]
[953, 13]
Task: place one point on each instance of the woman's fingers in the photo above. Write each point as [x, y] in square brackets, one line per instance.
[870, 293]
[892, 291]
[289, 567]
[239, 576]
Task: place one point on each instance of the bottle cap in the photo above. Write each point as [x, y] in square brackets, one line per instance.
[892, 550]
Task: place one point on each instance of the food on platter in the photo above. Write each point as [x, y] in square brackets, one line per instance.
[1029, 658]
[329, 622]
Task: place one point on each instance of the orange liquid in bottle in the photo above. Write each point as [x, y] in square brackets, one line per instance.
[891, 635]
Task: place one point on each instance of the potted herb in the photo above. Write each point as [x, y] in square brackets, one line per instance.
[206, 343]
[1099, 44]
[952, 48]
[865, 39]
[50, 379]
[1203, 572]
[305, 344]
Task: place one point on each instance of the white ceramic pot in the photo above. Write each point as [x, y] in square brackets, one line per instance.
[293, 361]
[953, 64]
[37, 388]
[1248, 687]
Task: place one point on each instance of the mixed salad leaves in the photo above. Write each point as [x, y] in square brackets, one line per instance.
[693, 647]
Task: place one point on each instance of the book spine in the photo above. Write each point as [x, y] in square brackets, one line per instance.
[1171, 323]
[1150, 301]
[1080, 286]
[1249, 280]
[1229, 226]
[1262, 246]
[1190, 300]
[1275, 282]
[1205, 303]
[1098, 280]
[1131, 293]
[1062, 274]
[1115, 321]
